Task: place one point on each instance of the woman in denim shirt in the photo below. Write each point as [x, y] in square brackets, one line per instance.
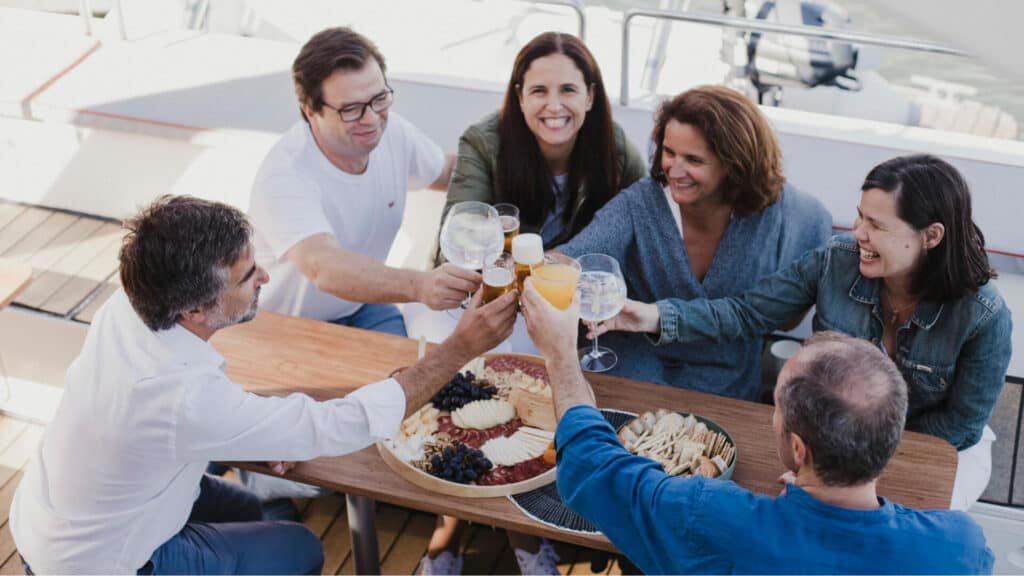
[913, 278]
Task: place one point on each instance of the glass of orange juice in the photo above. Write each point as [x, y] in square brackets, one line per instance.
[556, 279]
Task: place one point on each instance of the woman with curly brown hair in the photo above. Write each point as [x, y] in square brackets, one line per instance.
[714, 217]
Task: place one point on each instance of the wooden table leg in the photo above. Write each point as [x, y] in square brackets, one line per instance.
[362, 524]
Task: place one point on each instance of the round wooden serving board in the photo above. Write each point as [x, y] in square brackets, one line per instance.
[435, 484]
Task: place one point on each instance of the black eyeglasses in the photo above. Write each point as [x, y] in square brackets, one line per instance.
[354, 112]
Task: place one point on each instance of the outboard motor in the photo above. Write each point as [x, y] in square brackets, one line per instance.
[775, 61]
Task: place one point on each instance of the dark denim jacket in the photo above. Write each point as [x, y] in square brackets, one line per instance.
[953, 355]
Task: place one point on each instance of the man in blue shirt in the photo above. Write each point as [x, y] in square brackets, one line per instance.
[840, 406]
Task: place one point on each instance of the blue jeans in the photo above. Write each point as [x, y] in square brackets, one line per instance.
[225, 535]
[385, 318]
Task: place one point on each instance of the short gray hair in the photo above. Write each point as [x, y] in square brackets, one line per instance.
[848, 402]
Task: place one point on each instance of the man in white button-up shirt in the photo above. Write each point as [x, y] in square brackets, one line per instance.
[118, 483]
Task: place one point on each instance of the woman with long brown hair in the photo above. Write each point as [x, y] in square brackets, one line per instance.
[552, 149]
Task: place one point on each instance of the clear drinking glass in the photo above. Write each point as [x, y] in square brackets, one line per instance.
[509, 214]
[556, 279]
[602, 296]
[499, 276]
[470, 233]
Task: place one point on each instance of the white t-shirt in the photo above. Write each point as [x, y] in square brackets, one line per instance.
[298, 193]
[142, 415]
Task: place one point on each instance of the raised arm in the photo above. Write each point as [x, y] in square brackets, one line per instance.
[626, 496]
[772, 303]
[360, 278]
[611, 231]
[220, 421]
[975, 388]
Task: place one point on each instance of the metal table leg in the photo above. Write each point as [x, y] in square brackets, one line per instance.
[362, 524]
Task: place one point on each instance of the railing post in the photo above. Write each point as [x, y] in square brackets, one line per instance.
[85, 11]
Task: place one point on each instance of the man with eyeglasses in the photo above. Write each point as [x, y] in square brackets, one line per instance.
[328, 200]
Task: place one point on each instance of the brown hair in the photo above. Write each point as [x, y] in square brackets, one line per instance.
[848, 402]
[329, 50]
[738, 134]
[929, 189]
[523, 177]
[175, 256]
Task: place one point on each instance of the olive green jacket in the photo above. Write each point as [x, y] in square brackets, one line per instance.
[477, 163]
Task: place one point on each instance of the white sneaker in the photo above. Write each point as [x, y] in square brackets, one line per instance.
[545, 561]
[444, 563]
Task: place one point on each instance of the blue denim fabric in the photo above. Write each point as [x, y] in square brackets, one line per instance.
[637, 229]
[953, 355]
[671, 525]
[385, 318]
[224, 535]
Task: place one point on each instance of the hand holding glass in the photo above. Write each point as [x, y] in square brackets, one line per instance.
[602, 296]
[470, 233]
[556, 279]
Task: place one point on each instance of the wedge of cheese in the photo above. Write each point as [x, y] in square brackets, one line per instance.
[525, 444]
[483, 414]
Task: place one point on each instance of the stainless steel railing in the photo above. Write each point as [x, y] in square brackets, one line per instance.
[85, 10]
[577, 6]
[763, 26]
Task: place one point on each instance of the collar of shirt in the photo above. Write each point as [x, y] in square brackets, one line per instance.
[186, 348]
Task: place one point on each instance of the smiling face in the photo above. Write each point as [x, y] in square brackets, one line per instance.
[240, 299]
[555, 99]
[890, 248]
[693, 172]
[348, 144]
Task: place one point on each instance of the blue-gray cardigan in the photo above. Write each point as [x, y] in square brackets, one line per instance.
[637, 229]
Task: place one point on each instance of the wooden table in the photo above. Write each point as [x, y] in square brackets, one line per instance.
[278, 354]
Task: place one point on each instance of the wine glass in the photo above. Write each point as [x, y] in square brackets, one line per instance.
[471, 231]
[602, 296]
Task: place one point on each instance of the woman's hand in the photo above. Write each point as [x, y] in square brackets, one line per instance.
[634, 317]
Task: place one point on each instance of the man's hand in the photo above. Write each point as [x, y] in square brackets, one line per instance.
[446, 286]
[484, 326]
[553, 331]
[634, 317]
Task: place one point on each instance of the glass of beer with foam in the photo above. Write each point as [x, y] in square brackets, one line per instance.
[499, 276]
[509, 214]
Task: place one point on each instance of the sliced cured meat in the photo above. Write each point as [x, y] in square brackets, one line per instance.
[512, 474]
[476, 438]
[511, 364]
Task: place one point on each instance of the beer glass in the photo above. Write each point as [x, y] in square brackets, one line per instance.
[499, 276]
[556, 279]
[602, 296]
[509, 214]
